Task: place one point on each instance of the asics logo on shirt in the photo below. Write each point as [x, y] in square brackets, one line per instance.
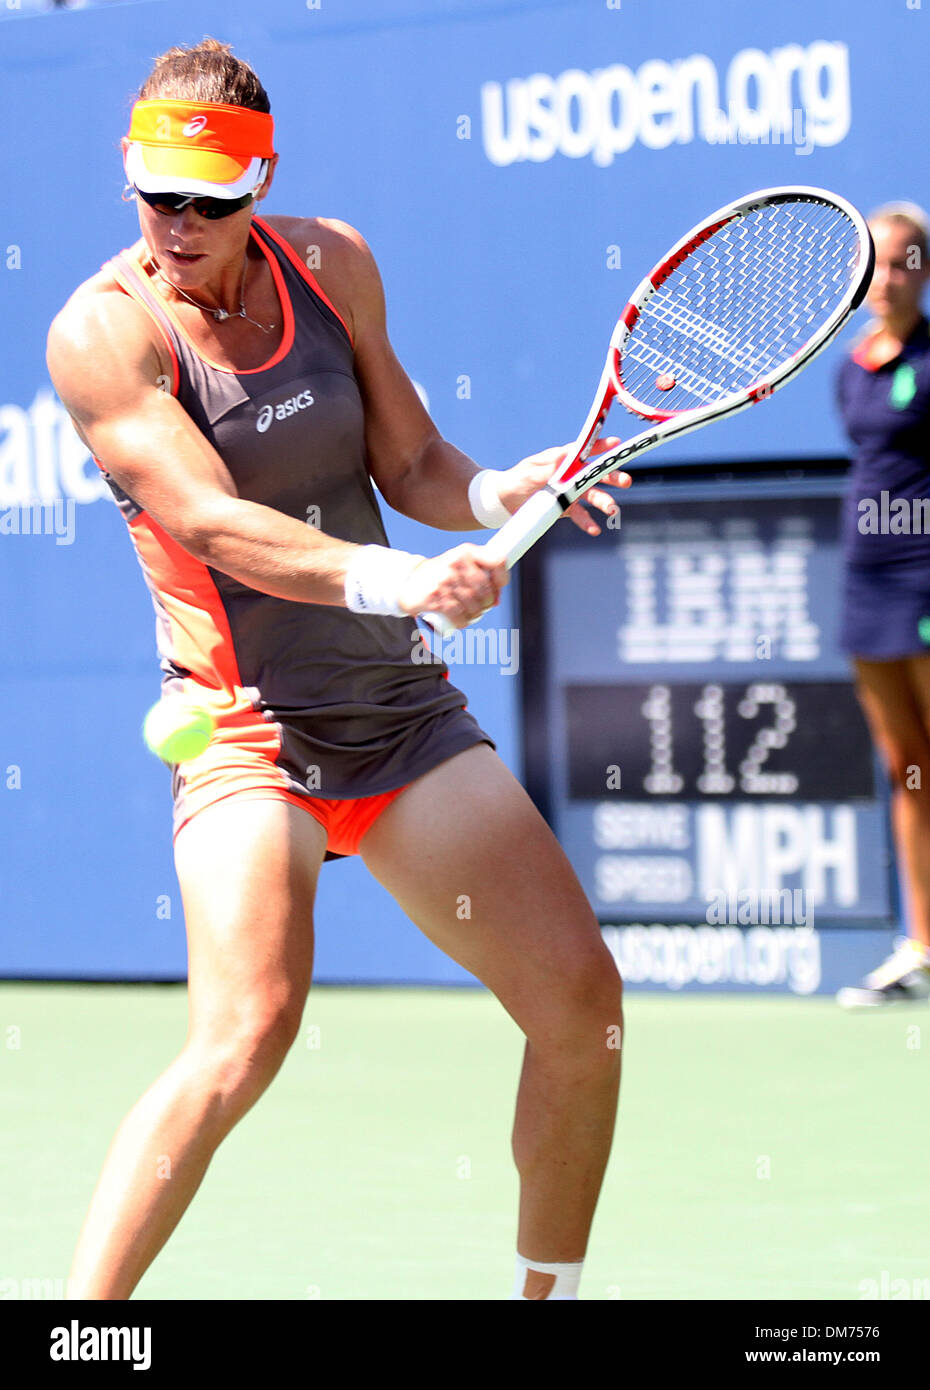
[282, 410]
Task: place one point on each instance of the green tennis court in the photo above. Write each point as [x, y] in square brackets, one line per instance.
[766, 1149]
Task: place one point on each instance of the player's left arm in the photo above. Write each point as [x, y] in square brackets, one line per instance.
[417, 472]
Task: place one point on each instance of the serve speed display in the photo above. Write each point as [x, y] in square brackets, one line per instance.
[690, 727]
[746, 741]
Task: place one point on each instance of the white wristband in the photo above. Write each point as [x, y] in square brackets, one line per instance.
[374, 578]
[484, 499]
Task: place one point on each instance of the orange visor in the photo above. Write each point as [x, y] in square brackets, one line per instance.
[184, 144]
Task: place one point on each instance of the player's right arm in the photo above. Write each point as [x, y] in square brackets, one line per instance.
[107, 365]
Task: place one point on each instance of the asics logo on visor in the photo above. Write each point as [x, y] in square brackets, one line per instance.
[194, 126]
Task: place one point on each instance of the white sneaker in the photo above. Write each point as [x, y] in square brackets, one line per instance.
[903, 977]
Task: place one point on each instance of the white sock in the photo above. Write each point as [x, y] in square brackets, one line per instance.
[567, 1277]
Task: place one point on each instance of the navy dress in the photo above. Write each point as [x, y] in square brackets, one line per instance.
[886, 524]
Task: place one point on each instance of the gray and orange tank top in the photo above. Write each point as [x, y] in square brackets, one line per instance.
[350, 694]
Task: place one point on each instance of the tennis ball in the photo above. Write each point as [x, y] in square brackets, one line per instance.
[177, 730]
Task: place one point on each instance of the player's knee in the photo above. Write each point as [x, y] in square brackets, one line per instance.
[596, 983]
[585, 1014]
[243, 1051]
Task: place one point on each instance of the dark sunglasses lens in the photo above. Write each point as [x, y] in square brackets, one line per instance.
[213, 208]
[210, 208]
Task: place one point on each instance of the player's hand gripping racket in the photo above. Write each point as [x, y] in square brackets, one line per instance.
[738, 307]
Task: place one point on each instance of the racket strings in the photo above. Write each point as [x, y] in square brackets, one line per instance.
[656, 364]
[740, 305]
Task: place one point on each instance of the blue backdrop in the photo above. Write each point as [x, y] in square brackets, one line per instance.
[516, 168]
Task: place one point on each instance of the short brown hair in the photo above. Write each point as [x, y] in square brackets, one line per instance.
[208, 71]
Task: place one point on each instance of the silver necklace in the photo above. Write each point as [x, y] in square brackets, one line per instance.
[220, 314]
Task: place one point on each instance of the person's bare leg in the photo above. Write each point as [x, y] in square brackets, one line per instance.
[248, 873]
[895, 697]
[466, 838]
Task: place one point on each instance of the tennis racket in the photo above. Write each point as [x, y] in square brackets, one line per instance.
[739, 306]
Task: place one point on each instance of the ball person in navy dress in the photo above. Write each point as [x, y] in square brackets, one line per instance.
[883, 393]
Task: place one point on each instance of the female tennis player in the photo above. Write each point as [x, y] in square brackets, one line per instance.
[229, 394]
[883, 390]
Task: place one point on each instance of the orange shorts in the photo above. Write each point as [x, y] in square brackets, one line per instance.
[345, 822]
[242, 760]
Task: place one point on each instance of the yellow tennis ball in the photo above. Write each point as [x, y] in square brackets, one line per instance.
[177, 730]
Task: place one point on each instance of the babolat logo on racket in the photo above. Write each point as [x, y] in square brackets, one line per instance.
[597, 470]
[282, 410]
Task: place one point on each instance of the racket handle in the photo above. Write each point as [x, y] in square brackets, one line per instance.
[514, 539]
[525, 527]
